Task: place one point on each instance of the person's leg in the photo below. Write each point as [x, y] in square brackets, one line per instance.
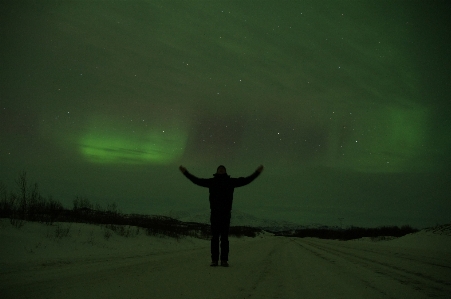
[215, 232]
[225, 225]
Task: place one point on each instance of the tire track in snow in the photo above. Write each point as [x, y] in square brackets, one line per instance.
[422, 278]
[441, 260]
[294, 271]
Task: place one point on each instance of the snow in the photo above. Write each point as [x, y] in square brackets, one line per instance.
[86, 261]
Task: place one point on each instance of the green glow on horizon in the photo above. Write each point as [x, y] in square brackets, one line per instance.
[388, 140]
[407, 130]
[154, 147]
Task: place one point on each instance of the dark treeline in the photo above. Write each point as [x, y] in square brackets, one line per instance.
[351, 232]
[27, 204]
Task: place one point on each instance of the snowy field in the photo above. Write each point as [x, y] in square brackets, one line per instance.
[88, 261]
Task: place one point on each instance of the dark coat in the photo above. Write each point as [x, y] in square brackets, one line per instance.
[221, 188]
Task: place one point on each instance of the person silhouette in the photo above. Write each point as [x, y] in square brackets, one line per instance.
[221, 187]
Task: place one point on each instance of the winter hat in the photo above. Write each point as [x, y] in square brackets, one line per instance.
[222, 167]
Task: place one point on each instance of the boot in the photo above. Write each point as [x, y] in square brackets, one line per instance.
[214, 263]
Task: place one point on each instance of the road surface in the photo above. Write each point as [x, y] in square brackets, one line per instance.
[270, 267]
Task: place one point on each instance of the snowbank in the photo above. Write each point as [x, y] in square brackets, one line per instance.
[70, 242]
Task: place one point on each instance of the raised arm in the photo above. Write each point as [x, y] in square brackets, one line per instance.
[240, 182]
[194, 179]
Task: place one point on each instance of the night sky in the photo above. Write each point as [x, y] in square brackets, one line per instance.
[345, 103]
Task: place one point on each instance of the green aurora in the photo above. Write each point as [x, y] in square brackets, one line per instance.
[104, 144]
[345, 103]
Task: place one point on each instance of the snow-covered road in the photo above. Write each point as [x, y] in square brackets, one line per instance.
[269, 267]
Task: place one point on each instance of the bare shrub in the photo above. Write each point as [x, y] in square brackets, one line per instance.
[82, 203]
[122, 230]
[107, 234]
[16, 222]
[61, 231]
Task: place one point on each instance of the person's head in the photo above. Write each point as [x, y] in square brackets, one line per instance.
[221, 169]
